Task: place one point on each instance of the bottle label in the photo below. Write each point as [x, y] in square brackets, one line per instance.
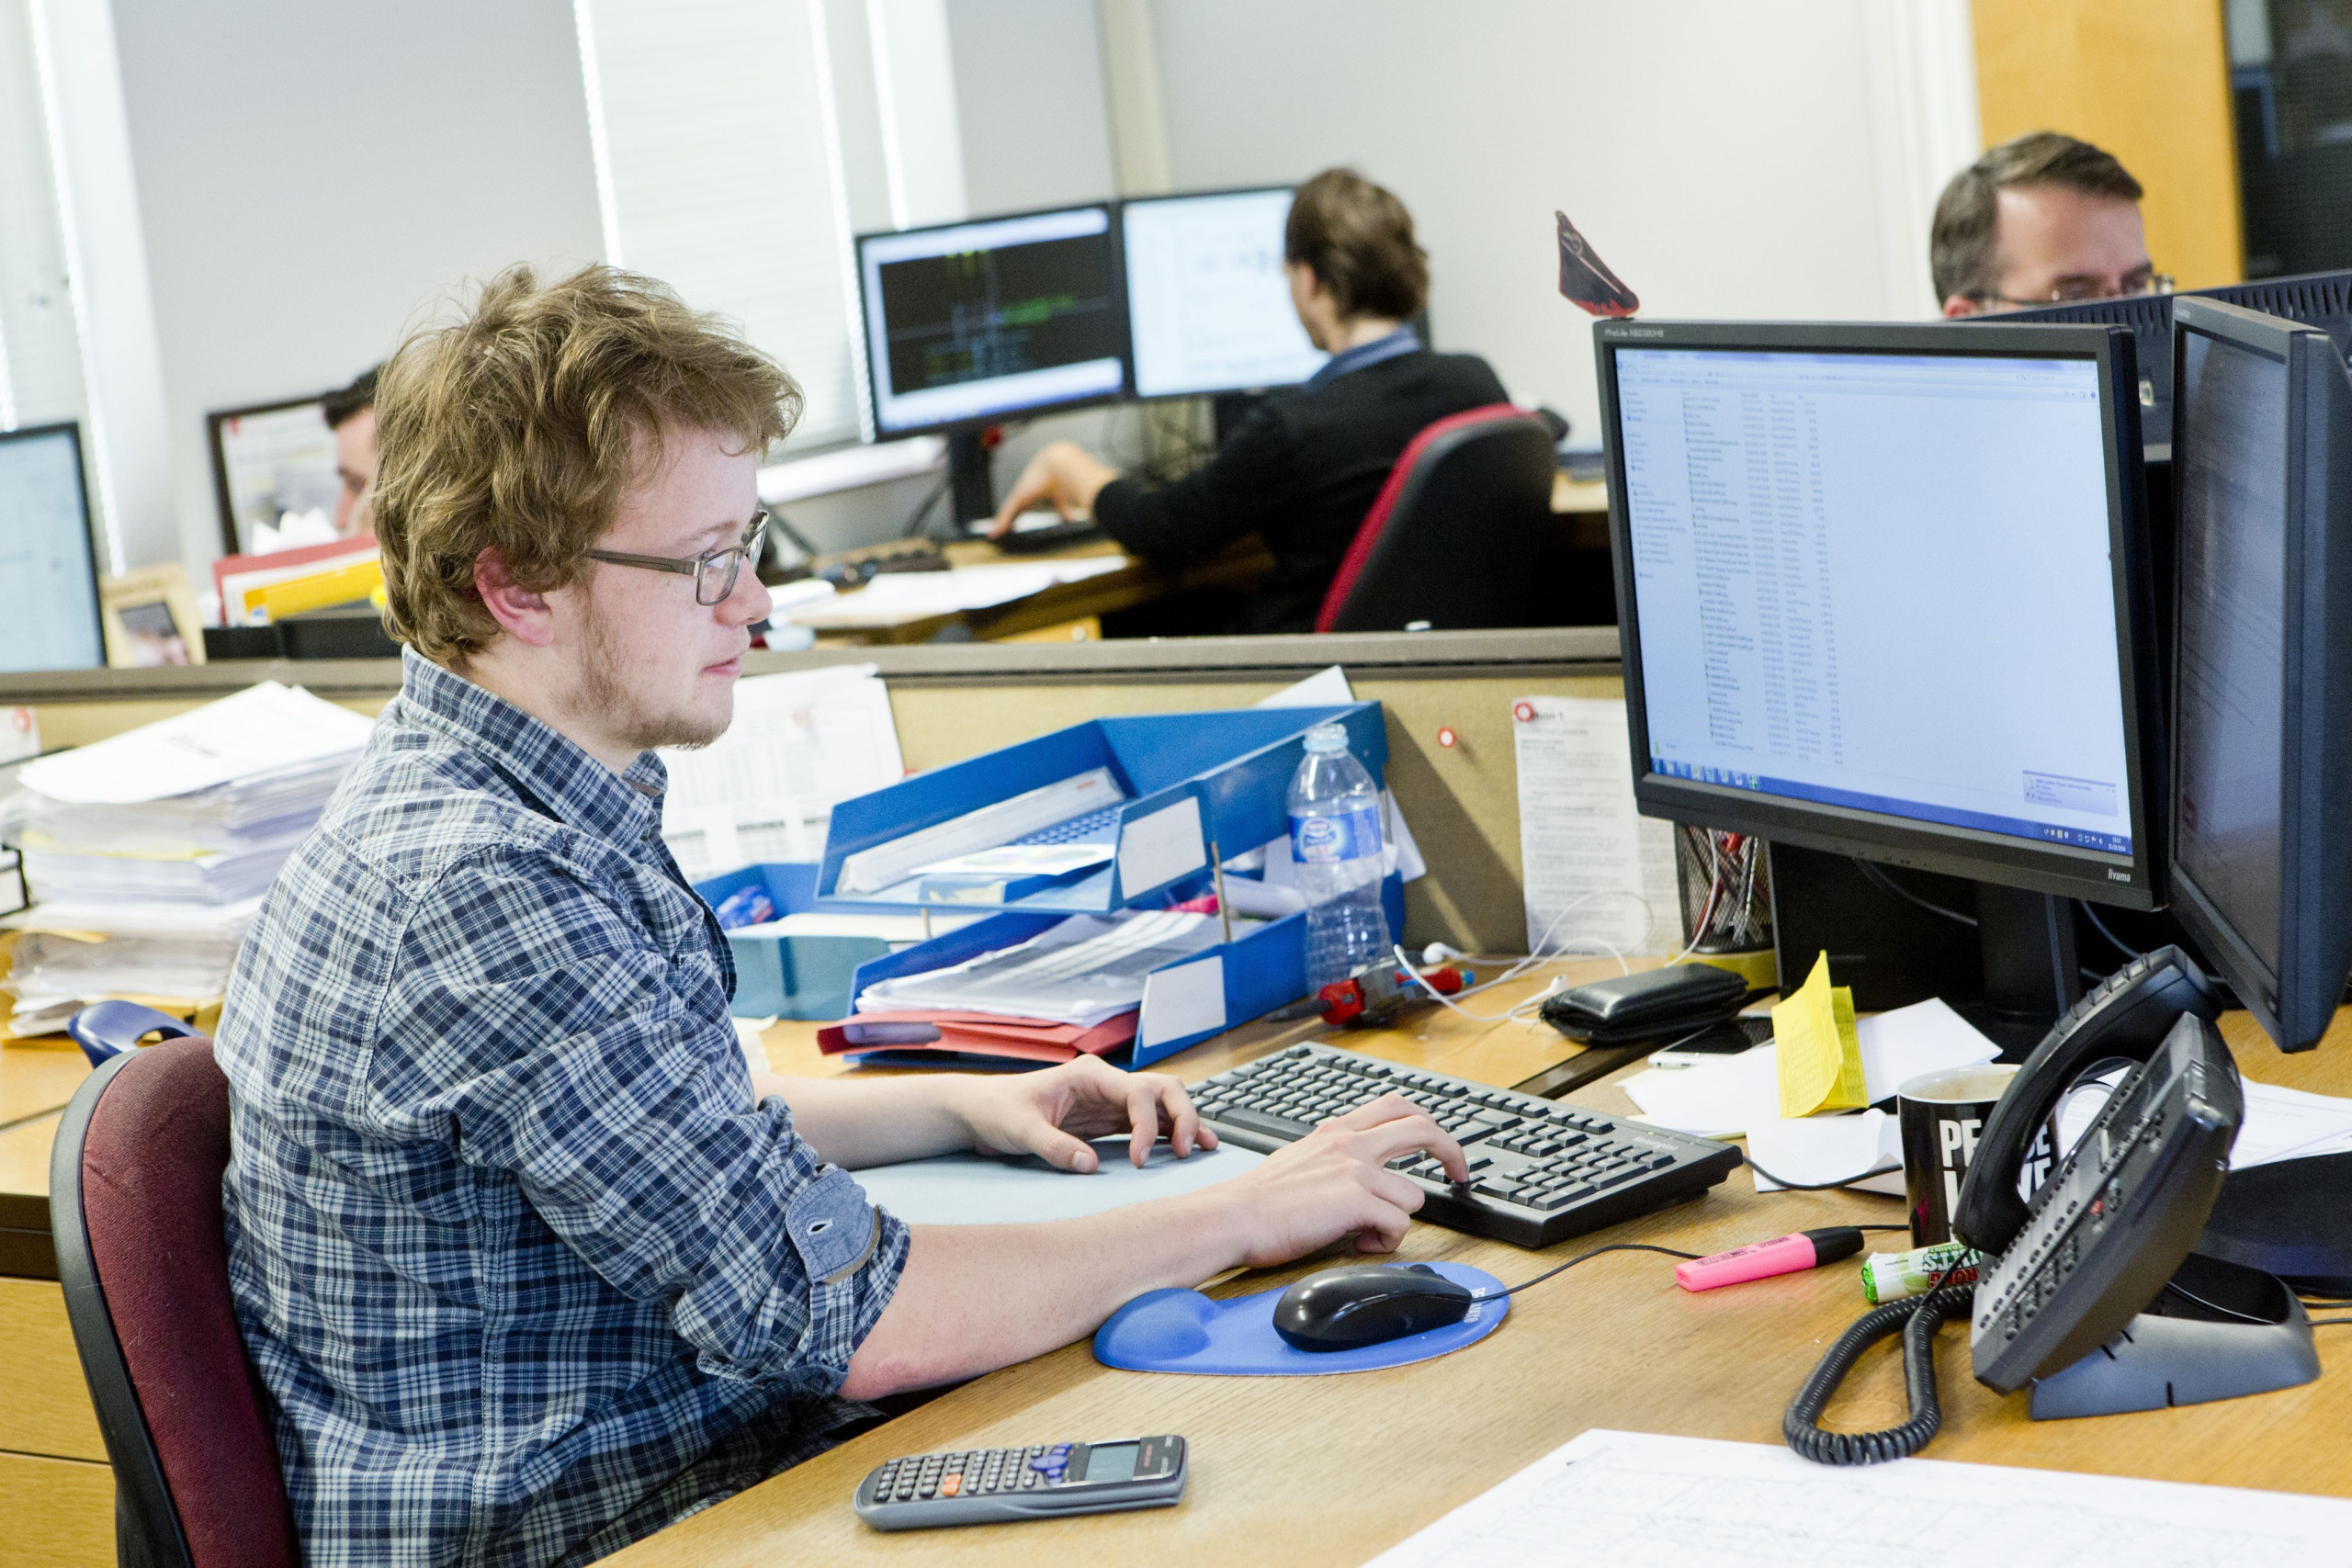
[1324, 839]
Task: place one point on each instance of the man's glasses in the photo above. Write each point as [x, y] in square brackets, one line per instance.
[2084, 291]
[714, 571]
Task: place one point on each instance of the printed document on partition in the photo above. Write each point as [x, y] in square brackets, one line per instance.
[1599, 875]
[1635, 1500]
[259, 730]
[802, 742]
[1081, 971]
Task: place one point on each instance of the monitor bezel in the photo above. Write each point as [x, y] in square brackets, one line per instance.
[1134, 375]
[213, 422]
[865, 347]
[71, 430]
[1903, 841]
[2308, 688]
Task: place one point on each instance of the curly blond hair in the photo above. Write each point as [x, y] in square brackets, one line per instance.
[518, 427]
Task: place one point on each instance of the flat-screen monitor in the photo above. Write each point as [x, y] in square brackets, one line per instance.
[2262, 726]
[1883, 593]
[2322, 299]
[1207, 300]
[966, 324]
[268, 460]
[49, 570]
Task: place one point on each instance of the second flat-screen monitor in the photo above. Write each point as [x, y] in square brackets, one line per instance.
[2262, 732]
[1207, 300]
[1883, 591]
[971, 322]
[49, 575]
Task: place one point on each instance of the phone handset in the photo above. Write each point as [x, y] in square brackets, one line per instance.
[2126, 1015]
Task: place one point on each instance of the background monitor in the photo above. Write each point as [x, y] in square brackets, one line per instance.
[2322, 299]
[1207, 301]
[2262, 730]
[48, 572]
[268, 460]
[971, 323]
[1883, 593]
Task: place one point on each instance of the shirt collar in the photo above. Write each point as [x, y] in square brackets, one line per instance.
[1404, 340]
[554, 771]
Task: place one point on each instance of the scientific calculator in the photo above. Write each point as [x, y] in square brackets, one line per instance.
[978, 1486]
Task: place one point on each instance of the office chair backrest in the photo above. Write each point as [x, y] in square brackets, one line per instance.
[1455, 534]
[134, 1198]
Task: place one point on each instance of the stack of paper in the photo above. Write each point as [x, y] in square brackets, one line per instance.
[1076, 986]
[147, 854]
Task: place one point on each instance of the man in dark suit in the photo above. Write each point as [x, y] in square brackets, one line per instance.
[1304, 469]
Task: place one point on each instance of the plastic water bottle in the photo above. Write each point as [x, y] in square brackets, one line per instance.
[1335, 845]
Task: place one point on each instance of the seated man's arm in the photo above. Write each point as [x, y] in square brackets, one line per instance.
[977, 1297]
[1249, 483]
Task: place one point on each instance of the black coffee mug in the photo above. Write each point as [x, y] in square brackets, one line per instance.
[1941, 1114]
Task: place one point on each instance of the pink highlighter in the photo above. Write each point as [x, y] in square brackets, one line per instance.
[1781, 1254]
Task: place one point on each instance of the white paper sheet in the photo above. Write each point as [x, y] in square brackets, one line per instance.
[1725, 1098]
[1583, 848]
[906, 596]
[2279, 1123]
[802, 742]
[1086, 969]
[1815, 1150]
[1634, 1500]
[983, 1190]
[1327, 688]
[261, 730]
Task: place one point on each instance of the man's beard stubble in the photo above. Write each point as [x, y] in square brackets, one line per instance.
[601, 692]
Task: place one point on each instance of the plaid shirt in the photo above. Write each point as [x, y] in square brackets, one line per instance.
[525, 1272]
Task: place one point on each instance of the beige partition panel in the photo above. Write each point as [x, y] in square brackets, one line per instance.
[953, 701]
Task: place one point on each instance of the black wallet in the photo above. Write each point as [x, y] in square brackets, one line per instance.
[1654, 1004]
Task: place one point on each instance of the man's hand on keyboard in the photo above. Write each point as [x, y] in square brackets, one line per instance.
[1335, 1183]
[1053, 1113]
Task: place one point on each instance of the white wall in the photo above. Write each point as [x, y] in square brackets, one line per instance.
[1725, 158]
[312, 178]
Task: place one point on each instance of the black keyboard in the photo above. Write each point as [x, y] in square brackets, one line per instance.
[1540, 1171]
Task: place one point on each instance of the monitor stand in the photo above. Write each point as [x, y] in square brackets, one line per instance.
[2011, 977]
[971, 479]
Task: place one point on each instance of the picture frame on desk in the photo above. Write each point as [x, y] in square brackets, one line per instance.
[151, 619]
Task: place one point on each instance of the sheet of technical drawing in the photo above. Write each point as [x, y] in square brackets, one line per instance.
[1634, 1500]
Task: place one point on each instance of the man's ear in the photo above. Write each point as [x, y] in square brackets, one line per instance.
[520, 612]
[1956, 305]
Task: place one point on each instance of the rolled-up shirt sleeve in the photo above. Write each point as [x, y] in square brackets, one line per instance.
[530, 1025]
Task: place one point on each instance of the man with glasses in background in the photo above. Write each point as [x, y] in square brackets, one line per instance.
[2040, 220]
[530, 1263]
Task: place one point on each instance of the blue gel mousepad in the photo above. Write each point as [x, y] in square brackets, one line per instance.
[1184, 1331]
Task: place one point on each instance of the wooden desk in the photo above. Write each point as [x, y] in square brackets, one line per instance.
[1136, 581]
[1335, 1470]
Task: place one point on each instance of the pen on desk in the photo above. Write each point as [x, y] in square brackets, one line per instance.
[1760, 1260]
[1223, 910]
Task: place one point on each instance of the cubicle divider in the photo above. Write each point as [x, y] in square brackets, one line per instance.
[1447, 698]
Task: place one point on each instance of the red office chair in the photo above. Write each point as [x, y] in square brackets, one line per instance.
[1453, 538]
[134, 1198]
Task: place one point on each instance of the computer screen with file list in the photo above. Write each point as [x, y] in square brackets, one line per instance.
[1881, 582]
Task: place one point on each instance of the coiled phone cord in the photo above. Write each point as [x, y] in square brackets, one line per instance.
[1919, 1318]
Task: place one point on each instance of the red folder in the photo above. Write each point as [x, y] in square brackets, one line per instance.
[974, 1034]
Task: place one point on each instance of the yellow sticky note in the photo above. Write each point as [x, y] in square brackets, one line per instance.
[1820, 1054]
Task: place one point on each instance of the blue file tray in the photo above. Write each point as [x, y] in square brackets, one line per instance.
[792, 976]
[1185, 1003]
[1191, 779]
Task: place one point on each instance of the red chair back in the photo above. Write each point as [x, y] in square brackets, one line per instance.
[135, 1203]
[1453, 535]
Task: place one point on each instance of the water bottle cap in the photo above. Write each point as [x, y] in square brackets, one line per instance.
[1325, 737]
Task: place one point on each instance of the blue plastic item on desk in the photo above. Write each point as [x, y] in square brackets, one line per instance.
[1184, 1331]
[107, 1029]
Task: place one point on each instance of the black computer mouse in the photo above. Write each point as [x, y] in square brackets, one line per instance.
[1368, 1303]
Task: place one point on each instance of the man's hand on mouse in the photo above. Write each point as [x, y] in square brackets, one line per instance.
[1053, 1113]
[1335, 1183]
[1064, 476]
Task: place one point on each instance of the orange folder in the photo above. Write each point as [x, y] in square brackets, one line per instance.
[973, 1034]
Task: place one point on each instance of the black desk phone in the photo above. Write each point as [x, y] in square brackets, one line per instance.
[2096, 1292]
